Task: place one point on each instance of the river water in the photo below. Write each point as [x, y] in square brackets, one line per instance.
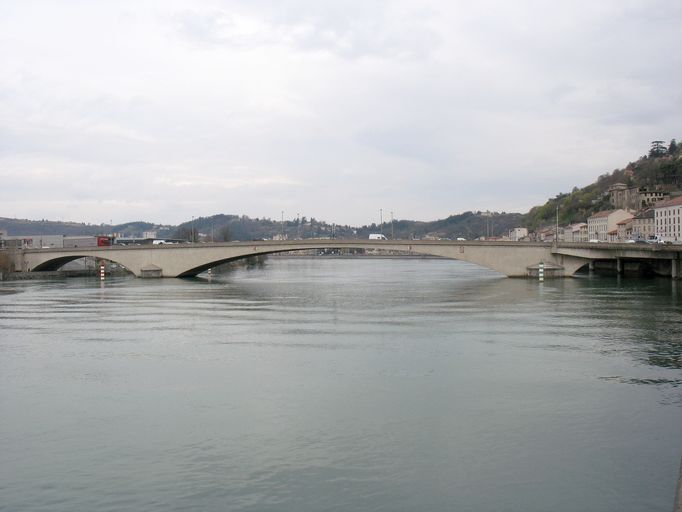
[341, 385]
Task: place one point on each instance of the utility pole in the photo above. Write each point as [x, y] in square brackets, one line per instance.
[392, 237]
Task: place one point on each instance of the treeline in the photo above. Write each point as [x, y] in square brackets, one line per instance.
[467, 225]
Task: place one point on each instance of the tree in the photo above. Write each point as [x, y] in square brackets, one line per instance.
[223, 234]
[657, 148]
[183, 233]
[672, 148]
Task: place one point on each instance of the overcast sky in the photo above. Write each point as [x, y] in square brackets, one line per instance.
[160, 111]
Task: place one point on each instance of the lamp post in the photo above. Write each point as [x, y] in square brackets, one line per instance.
[282, 226]
[556, 237]
[298, 225]
[381, 221]
[192, 229]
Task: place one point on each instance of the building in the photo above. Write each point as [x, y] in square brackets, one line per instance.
[576, 232]
[545, 234]
[635, 198]
[624, 230]
[33, 241]
[643, 225]
[601, 223]
[517, 234]
[648, 198]
[668, 219]
[623, 197]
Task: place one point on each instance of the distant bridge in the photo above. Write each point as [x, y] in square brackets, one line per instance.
[513, 259]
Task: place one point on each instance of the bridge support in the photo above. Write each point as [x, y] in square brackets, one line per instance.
[675, 269]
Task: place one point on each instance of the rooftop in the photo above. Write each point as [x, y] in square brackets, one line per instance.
[670, 202]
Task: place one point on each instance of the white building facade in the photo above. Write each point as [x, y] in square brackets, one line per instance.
[668, 219]
[601, 223]
[516, 234]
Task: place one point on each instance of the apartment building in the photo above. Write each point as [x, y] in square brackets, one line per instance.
[601, 223]
[668, 219]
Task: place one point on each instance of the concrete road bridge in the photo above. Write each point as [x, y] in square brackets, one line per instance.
[513, 259]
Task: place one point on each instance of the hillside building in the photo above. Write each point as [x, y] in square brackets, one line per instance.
[601, 223]
[517, 234]
[624, 229]
[668, 219]
[576, 232]
[623, 197]
[635, 198]
[643, 225]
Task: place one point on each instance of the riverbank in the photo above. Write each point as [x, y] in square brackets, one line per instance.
[55, 274]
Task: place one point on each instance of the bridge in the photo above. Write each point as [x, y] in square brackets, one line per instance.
[513, 259]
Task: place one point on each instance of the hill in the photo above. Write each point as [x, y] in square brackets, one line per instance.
[660, 169]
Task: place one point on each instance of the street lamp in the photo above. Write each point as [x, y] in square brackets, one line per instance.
[381, 221]
[192, 228]
[282, 226]
[298, 225]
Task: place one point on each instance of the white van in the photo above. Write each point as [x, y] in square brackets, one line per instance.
[377, 236]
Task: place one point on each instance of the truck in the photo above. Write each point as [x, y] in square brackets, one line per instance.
[377, 236]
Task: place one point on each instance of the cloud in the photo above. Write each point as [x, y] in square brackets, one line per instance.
[330, 110]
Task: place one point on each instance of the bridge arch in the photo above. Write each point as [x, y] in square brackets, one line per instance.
[184, 260]
[55, 263]
[473, 252]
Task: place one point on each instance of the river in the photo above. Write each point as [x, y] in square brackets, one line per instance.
[341, 385]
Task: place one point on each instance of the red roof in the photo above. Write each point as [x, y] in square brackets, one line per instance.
[669, 202]
[605, 213]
